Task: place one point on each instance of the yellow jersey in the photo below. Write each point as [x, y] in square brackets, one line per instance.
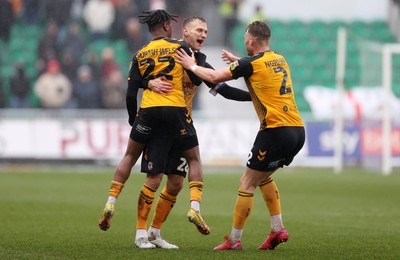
[157, 59]
[267, 76]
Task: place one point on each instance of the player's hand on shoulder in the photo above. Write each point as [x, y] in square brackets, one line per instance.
[160, 85]
[228, 57]
[184, 59]
[200, 58]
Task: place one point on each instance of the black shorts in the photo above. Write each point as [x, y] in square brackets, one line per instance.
[174, 121]
[167, 132]
[154, 155]
[275, 147]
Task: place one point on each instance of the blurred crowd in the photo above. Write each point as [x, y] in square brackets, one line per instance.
[68, 71]
[69, 74]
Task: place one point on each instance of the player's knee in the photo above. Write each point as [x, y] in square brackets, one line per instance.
[247, 183]
[175, 185]
[154, 181]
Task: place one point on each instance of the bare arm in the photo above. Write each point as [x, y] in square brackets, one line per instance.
[160, 85]
[214, 76]
[228, 57]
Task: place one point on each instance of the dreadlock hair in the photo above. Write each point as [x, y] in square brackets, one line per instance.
[156, 18]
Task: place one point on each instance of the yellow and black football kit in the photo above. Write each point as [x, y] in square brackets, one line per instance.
[177, 163]
[160, 113]
[281, 135]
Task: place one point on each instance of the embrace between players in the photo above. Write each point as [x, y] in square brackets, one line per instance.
[169, 72]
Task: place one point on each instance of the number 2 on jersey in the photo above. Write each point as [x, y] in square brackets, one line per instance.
[283, 89]
[151, 65]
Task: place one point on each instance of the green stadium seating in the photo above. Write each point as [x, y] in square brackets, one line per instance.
[310, 49]
[321, 30]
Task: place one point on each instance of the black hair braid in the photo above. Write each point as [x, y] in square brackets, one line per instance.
[156, 17]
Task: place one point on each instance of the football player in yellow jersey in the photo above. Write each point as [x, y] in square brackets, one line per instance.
[167, 112]
[195, 33]
[281, 135]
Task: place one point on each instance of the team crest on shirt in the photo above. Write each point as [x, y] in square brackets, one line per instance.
[234, 65]
[150, 165]
[189, 88]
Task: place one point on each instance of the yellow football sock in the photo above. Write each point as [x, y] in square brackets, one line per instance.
[243, 207]
[196, 190]
[115, 189]
[145, 202]
[270, 193]
[165, 203]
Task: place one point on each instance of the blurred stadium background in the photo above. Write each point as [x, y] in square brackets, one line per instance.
[84, 129]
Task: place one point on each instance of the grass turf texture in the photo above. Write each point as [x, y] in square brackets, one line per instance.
[53, 215]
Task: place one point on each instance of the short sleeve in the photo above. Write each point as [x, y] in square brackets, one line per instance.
[241, 68]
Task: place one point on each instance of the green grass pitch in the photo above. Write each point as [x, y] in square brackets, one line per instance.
[53, 215]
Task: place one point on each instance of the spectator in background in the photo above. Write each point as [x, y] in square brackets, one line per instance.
[77, 9]
[2, 94]
[59, 12]
[93, 63]
[74, 43]
[229, 9]
[108, 63]
[99, 16]
[19, 87]
[31, 11]
[86, 92]
[113, 84]
[48, 46]
[17, 6]
[113, 91]
[259, 15]
[142, 5]
[72, 50]
[53, 88]
[125, 9]
[69, 66]
[179, 8]
[6, 20]
[135, 39]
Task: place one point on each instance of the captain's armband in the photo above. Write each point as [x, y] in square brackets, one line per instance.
[214, 90]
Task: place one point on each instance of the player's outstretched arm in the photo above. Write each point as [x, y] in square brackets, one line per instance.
[188, 62]
[225, 90]
[228, 57]
[231, 93]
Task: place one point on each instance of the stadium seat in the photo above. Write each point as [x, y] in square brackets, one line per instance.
[119, 45]
[321, 30]
[336, 24]
[237, 40]
[298, 30]
[360, 28]
[381, 31]
[301, 102]
[352, 78]
[7, 71]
